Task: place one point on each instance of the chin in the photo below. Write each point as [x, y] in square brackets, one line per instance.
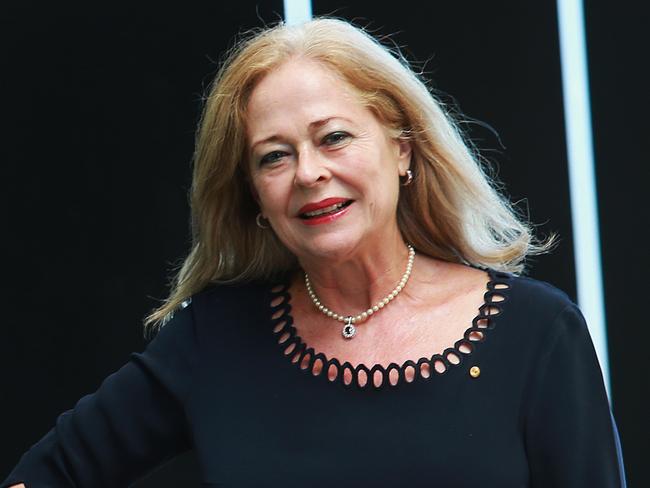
[334, 247]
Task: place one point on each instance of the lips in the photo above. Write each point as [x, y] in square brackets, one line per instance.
[328, 206]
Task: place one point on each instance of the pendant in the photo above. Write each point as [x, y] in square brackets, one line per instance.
[349, 330]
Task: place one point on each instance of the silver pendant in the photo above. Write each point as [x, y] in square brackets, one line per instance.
[349, 330]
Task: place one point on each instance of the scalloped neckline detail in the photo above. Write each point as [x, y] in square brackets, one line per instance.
[296, 350]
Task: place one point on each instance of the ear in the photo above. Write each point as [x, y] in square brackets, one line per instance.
[404, 152]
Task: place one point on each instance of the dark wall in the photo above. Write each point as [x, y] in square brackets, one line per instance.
[99, 108]
[617, 36]
[500, 62]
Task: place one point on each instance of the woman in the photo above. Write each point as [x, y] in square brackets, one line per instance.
[348, 314]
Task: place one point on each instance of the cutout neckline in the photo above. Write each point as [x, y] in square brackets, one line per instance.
[378, 377]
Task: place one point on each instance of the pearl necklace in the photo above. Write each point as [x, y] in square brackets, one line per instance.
[349, 330]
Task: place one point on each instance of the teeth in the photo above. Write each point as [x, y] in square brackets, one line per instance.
[325, 210]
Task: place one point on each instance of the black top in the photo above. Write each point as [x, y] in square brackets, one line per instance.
[519, 401]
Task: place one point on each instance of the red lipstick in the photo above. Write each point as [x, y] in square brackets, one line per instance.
[328, 202]
[325, 211]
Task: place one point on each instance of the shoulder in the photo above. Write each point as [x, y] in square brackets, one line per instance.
[531, 296]
[232, 295]
[220, 306]
[520, 292]
[214, 315]
[537, 312]
[217, 298]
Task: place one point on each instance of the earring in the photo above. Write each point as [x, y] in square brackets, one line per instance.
[258, 221]
[409, 178]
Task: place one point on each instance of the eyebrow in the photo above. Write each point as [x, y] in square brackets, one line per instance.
[316, 124]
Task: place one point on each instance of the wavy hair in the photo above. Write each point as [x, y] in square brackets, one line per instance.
[452, 210]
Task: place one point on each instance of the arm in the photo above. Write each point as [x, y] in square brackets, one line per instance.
[131, 424]
[571, 440]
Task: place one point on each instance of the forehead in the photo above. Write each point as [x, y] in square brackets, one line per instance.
[297, 93]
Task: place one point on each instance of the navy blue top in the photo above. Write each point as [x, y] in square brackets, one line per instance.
[216, 379]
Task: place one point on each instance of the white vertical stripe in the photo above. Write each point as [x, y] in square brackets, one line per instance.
[297, 11]
[584, 207]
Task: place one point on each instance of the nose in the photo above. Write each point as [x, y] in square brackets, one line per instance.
[311, 168]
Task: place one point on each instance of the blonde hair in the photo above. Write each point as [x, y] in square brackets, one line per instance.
[451, 211]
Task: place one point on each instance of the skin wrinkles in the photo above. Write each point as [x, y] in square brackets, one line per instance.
[311, 138]
[314, 139]
[312, 125]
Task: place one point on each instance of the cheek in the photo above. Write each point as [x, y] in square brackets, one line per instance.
[384, 190]
[271, 194]
[376, 174]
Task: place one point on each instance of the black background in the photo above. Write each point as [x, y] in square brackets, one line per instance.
[99, 108]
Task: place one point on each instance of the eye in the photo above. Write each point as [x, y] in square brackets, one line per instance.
[272, 157]
[335, 138]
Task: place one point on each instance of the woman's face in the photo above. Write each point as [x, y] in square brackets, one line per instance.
[324, 169]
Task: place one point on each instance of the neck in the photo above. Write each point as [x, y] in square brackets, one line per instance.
[352, 284]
